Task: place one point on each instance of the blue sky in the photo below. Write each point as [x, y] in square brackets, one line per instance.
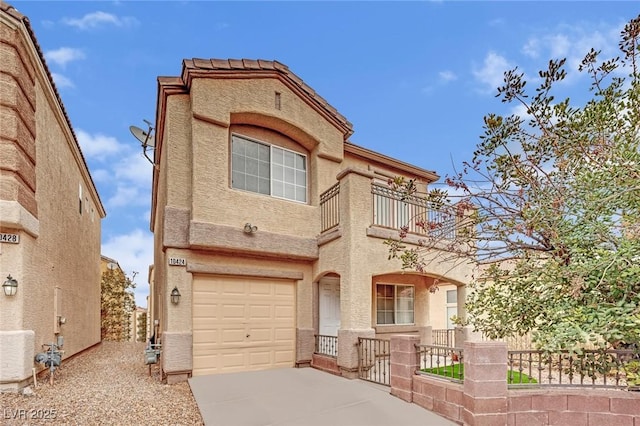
[414, 78]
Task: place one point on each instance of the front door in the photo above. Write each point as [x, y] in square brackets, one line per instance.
[329, 296]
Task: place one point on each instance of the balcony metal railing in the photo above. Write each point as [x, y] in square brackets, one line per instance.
[393, 209]
[330, 208]
[326, 345]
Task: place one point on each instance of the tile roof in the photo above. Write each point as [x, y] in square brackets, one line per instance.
[266, 65]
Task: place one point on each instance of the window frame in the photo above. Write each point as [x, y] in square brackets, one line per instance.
[396, 311]
[284, 167]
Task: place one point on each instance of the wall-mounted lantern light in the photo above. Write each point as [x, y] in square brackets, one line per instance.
[175, 296]
[249, 228]
[10, 286]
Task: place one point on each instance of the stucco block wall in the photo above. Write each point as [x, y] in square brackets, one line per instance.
[44, 170]
[16, 357]
[211, 145]
[588, 407]
[177, 352]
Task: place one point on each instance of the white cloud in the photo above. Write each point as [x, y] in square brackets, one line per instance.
[447, 76]
[99, 146]
[532, 48]
[127, 196]
[63, 55]
[521, 111]
[560, 45]
[61, 81]
[134, 168]
[491, 74]
[101, 175]
[97, 19]
[573, 43]
[134, 252]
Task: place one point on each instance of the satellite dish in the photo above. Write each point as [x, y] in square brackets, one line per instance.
[146, 138]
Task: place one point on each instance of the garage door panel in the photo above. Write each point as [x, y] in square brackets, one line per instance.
[283, 312]
[259, 289]
[282, 357]
[260, 312]
[234, 311]
[232, 336]
[242, 325]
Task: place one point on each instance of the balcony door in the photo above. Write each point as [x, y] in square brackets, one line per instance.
[329, 300]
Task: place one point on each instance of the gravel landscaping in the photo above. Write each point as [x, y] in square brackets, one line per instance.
[106, 385]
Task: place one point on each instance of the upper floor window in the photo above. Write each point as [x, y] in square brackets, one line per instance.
[268, 169]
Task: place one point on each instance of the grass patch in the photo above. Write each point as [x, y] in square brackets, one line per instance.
[456, 371]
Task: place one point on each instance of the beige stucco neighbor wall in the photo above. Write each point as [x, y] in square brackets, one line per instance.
[43, 180]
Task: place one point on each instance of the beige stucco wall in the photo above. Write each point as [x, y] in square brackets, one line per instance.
[64, 253]
[198, 217]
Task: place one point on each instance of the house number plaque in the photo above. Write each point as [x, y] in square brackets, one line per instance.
[177, 261]
[10, 238]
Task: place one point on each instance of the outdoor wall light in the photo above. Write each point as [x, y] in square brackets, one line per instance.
[249, 229]
[175, 296]
[10, 286]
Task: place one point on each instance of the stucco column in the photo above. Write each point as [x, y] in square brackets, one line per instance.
[485, 383]
[355, 282]
[177, 338]
[422, 314]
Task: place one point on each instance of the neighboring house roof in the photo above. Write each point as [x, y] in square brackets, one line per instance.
[107, 259]
[427, 175]
[229, 66]
[13, 12]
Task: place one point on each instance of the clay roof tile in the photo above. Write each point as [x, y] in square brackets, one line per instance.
[220, 64]
[251, 64]
[203, 63]
[236, 64]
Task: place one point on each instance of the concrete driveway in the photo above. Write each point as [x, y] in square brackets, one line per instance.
[302, 397]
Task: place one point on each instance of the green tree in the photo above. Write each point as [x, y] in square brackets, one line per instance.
[117, 305]
[555, 202]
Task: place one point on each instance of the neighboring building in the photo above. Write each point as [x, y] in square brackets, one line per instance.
[270, 224]
[109, 332]
[138, 326]
[50, 213]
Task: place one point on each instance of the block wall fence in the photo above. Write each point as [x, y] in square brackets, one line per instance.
[485, 400]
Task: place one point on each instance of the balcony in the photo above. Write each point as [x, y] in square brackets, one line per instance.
[391, 209]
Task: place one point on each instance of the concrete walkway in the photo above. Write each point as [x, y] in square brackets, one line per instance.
[302, 397]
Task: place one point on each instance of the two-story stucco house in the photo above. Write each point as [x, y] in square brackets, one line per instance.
[270, 225]
[50, 214]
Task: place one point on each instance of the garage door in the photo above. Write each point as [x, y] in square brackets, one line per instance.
[242, 324]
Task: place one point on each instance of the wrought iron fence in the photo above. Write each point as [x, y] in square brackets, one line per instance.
[440, 361]
[589, 368]
[330, 208]
[326, 345]
[374, 358]
[443, 337]
[515, 343]
[393, 209]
